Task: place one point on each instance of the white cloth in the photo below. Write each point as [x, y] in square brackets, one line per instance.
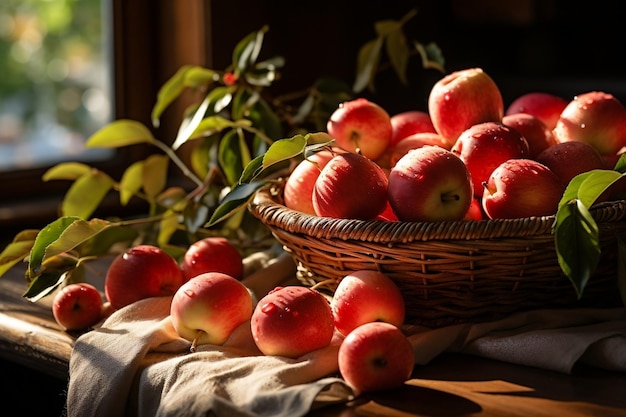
[136, 365]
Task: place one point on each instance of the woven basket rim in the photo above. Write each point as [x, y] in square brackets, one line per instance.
[268, 207]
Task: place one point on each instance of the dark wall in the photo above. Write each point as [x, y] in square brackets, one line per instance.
[524, 45]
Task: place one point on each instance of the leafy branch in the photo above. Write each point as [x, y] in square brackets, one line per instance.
[241, 138]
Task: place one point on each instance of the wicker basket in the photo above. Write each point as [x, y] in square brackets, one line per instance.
[449, 272]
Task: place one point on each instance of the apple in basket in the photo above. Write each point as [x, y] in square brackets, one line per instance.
[77, 306]
[350, 186]
[568, 159]
[462, 99]
[521, 188]
[209, 307]
[536, 133]
[597, 118]
[545, 106]
[375, 356]
[291, 321]
[405, 124]
[212, 254]
[298, 191]
[140, 272]
[364, 296]
[430, 184]
[414, 141]
[484, 146]
[360, 126]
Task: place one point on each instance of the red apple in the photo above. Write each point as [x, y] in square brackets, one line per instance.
[568, 159]
[363, 296]
[292, 321]
[430, 184]
[77, 306]
[212, 254]
[544, 106]
[409, 123]
[375, 356]
[360, 126]
[298, 191]
[536, 133]
[415, 141]
[140, 272]
[597, 118]
[475, 210]
[521, 188]
[209, 307]
[350, 186]
[484, 146]
[462, 99]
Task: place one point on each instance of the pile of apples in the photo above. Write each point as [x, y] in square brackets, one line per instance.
[361, 322]
[468, 157]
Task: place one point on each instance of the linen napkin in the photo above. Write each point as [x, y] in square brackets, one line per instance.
[134, 363]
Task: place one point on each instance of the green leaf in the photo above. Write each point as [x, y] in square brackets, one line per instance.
[237, 199]
[284, 149]
[169, 92]
[17, 251]
[577, 243]
[220, 98]
[44, 285]
[233, 155]
[86, 193]
[200, 78]
[398, 52]
[432, 57]
[45, 237]
[66, 171]
[167, 227]
[212, 125]
[189, 125]
[620, 166]
[119, 133]
[130, 183]
[368, 59]
[247, 51]
[589, 185]
[75, 234]
[154, 175]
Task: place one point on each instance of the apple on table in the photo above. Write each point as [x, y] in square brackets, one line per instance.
[212, 254]
[78, 306]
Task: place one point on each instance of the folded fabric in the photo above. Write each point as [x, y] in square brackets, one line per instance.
[135, 364]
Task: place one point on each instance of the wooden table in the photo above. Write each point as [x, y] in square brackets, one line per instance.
[451, 385]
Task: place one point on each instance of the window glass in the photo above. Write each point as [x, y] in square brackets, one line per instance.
[55, 81]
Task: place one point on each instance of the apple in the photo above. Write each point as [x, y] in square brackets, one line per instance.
[291, 321]
[545, 106]
[360, 126]
[298, 190]
[521, 188]
[597, 118]
[209, 307]
[484, 146]
[350, 186]
[408, 123]
[375, 356]
[414, 141]
[475, 210]
[140, 272]
[536, 133]
[363, 296]
[77, 306]
[430, 184]
[388, 214]
[568, 159]
[462, 99]
[212, 254]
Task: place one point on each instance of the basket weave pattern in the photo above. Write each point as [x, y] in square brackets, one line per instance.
[449, 272]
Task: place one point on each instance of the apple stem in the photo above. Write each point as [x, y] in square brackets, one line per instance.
[194, 342]
[484, 184]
